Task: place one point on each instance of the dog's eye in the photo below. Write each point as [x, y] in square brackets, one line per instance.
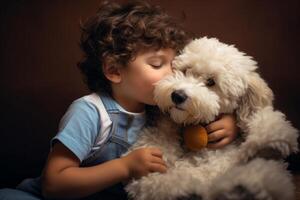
[185, 70]
[210, 82]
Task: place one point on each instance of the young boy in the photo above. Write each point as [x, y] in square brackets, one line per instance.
[127, 49]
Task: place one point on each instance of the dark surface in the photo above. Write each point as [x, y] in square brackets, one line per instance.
[297, 182]
[39, 52]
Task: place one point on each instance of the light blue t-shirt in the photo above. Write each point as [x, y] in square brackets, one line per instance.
[81, 125]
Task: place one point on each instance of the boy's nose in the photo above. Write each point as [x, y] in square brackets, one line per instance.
[178, 96]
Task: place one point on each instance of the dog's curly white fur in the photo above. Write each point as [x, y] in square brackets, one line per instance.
[216, 78]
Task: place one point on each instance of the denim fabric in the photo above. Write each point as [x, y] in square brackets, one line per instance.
[116, 144]
[15, 194]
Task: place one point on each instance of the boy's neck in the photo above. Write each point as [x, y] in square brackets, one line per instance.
[128, 104]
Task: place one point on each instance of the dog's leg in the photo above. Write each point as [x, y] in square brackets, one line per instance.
[257, 180]
[237, 193]
[270, 136]
[172, 185]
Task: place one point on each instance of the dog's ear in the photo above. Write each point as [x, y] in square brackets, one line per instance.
[258, 95]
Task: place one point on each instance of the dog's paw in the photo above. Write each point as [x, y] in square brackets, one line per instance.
[190, 197]
[274, 150]
[237, 193]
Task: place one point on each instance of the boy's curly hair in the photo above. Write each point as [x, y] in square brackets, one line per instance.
[117, 32]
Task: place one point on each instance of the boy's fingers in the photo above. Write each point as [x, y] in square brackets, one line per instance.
[157, 160]
[158, 168]
[218, 145]
[156, 152]
[216, 135]
[214, 126]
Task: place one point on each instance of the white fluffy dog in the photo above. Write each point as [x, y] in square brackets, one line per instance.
[212, 78]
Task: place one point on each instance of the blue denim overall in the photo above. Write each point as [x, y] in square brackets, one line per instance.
[117, 143]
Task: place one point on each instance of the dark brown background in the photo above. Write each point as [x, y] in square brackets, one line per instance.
[39, 51]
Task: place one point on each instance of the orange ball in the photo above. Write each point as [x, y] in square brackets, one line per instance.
[195, 137]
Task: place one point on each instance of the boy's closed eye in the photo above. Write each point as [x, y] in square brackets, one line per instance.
[156, 63]
[158, 60]
[159, 63]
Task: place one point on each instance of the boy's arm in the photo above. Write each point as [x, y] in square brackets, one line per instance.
[63, 178]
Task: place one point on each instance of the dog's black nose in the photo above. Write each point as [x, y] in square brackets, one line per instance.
[178, 96]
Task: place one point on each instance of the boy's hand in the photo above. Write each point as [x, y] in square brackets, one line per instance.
[222, 131]
[143, 161]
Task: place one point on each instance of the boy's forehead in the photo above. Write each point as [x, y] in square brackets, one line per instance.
[163, 52]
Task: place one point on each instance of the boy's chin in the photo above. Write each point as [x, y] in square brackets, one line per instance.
[150, 102]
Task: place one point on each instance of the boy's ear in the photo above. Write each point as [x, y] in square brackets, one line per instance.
[112, 72]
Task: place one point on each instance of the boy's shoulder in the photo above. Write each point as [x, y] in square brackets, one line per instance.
[93, 98]
[93, 104]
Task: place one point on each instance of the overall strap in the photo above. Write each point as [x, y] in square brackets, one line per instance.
[112, 113]
[116, 117]
[109, 104]
[119, 128]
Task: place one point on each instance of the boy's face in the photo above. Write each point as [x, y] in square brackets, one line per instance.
[139, 76]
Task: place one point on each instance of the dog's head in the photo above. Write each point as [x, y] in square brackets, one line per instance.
[211, 78]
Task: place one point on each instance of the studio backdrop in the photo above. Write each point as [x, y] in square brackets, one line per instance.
[39, 53]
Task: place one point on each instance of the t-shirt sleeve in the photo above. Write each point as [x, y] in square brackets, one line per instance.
[79, 128]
